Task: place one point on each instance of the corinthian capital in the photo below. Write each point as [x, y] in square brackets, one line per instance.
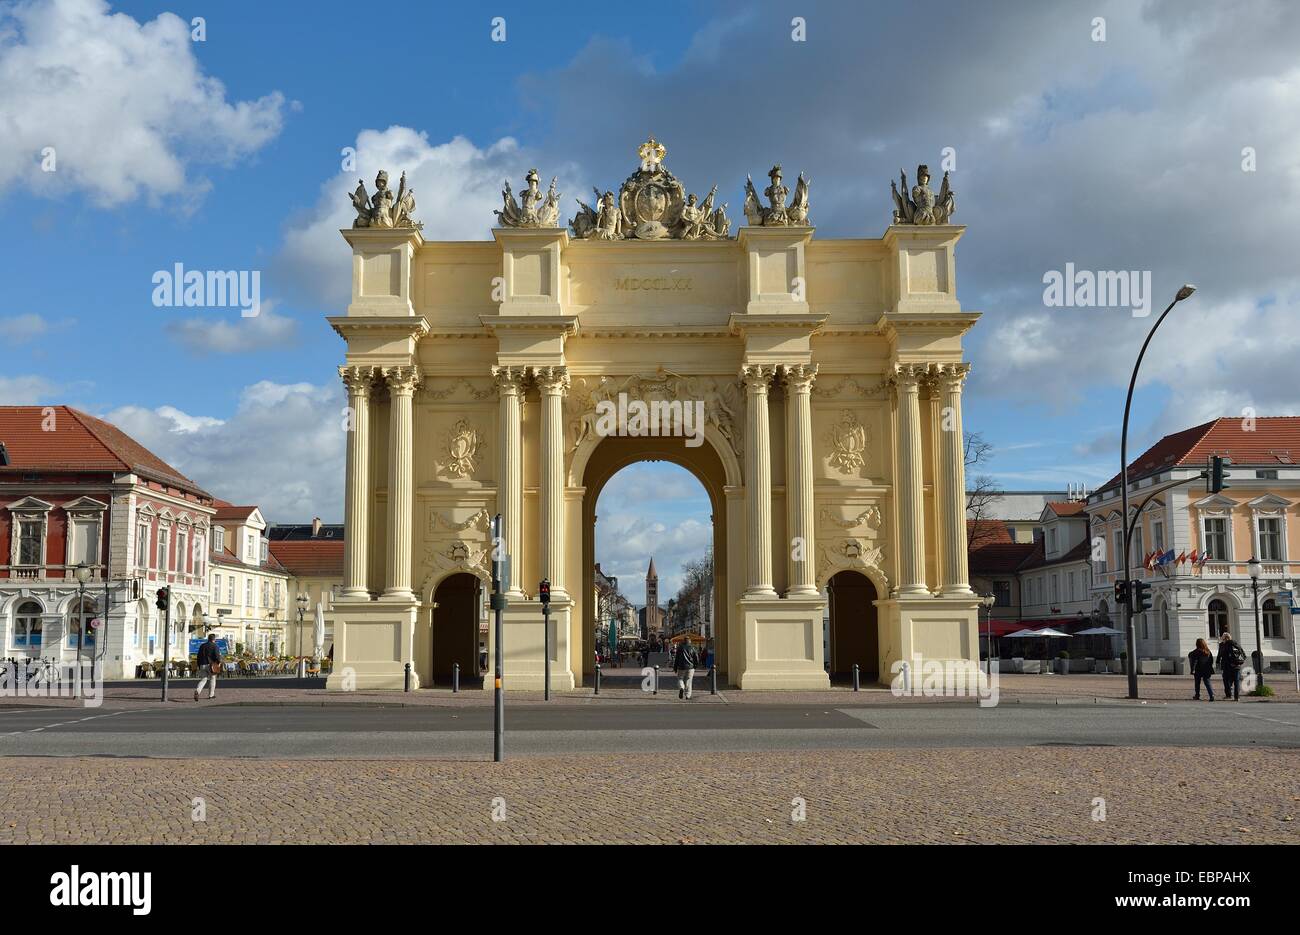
[798, 378]
[756, 377]
[358, 379]
[951, 376]
[401, 380]
[509, 379]
[551, 380]
[905, 376]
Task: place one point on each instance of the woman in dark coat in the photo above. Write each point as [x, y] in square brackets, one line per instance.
[1201, 661]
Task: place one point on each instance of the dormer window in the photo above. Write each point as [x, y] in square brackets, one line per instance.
[264, 551]
[218, 539]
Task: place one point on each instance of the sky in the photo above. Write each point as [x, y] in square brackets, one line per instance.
[1160, 137]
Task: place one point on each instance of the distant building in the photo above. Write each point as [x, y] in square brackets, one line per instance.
[313, 557]
[651, 616]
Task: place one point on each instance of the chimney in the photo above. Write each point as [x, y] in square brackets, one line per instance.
[315, 527]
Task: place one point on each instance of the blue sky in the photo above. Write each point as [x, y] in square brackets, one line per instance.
[225, 154]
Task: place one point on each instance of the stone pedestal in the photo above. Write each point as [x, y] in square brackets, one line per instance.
[783, 644]
[376, 640]
[524, 663]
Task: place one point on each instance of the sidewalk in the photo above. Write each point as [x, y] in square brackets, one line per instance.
[1013, 689]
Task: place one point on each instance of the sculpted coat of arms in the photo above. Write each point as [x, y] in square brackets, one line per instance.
[460, 450]
[651, 205]
[847, 440]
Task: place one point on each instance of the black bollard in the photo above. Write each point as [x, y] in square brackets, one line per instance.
[656, 691]
[713, 679]
[455, 677]
[406, 685]
[598, 678]
[857, 683]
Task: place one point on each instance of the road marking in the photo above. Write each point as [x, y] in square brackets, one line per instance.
[1260, 717]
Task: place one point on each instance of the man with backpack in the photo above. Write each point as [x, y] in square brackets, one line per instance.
[1231, 658]
[685, 662]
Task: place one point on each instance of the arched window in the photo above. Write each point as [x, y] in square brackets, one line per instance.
[79, 612]
[1271, 615]
[27, 627]
[1218, 612]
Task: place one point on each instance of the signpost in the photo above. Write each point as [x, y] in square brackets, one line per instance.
[544, 595]
[1288, 599]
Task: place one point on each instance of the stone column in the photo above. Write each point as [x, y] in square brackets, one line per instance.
[799, 478]
[950, 487]
[553, 384]
[758, 480]
[402, 382]
[908, 486]
[510, 471]
[358, 381]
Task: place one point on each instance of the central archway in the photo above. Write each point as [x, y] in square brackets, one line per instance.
[599, 465]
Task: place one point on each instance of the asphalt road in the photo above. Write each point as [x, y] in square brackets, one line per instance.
[354, 731]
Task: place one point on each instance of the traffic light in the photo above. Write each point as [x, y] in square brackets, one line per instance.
[164, 597]
[1141, 595]
[544, 591]
[1215, 475]
[1121, 592]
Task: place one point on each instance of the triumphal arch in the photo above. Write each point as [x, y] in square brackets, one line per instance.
[813, 386]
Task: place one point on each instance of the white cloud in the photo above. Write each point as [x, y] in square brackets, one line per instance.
[234, 335]
[457, 186]
[282, 449]
[29, 390]
[20, 329]
[126, 106]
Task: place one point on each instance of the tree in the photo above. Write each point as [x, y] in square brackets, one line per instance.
[981, 491]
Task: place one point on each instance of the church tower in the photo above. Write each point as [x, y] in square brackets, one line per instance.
[652, 620]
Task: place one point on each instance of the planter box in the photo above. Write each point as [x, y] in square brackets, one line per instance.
[1061, 666]
[1148, 666]
[1082, 665]
[1167, 667]
[1031, 666]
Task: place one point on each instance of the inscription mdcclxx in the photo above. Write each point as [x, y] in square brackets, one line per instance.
[653, 284]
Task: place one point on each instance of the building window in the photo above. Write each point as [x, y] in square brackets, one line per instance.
[1216, 538]
[1146, 631]
[182, 551]
[84, 544]
[1119, 549]
[1270, 539]
[142, 546]
[1158, 536]
[276, 595]
[1271, 614]
[198, 555]
[248, 592]
[264, 551]
[30, 534]
[1138, 553]
[1164, 622]
[163, 564]
[1051, 541]
[249, 549]
[216, 588]
[230, 591]
[1266, 475]
[218, 539]
[76, 614]
[1056, 590]
[1218, 612]
[266, 593]
[27, 626]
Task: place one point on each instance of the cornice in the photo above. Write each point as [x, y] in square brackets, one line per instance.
[404, 326]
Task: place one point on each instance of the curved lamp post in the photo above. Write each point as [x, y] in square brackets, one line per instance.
[82, 574]
[303, 600]
[1130, 631]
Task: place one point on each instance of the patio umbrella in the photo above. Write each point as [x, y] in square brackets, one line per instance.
[1100, 631]
[1045, 631]
[318, 632]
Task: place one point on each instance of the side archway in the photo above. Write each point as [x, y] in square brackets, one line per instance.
[854, 627]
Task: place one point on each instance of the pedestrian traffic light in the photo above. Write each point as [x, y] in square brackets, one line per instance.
[1141, 596]
[164, 595]
[544, 591]
[1216, 474]
[1121, 592]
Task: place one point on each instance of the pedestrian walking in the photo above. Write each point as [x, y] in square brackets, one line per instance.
[209, 663]
[685, 662]
[1201, 661]
[1231, 658]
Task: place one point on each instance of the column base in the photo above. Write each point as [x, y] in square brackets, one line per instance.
[783, 644]
[354, 594]
[399, 595]
[372, 645]
[761, 594]
[523, 662]
[957, 591]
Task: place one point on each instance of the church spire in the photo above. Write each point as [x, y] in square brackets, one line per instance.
[652, 574]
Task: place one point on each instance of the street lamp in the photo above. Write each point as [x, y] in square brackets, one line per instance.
[1130, 630]
[1255, 567]
[82, 574]
[302, 609]
[988, 600]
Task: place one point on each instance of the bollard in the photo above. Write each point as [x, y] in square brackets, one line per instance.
[713, 679]
[656, 691]
[598, 678]
[406, 685]
[455, 677]
[856, 677]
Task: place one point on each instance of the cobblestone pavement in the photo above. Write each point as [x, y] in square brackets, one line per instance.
[1013, 688]
[1036, 795]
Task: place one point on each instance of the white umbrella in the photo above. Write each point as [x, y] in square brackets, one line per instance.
[318, 632]
[1100, 631]
[1045, 631]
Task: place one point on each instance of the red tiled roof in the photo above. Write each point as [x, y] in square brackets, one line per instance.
[1262, 440]
[999, 557]
[231, 512]
[78, 442]
[987, 531]
[1067, 508]
[310, 558]
[1038, 558]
